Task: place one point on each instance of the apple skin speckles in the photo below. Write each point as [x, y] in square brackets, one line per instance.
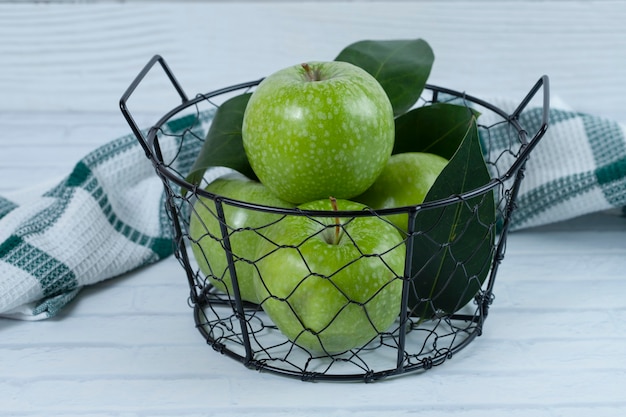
[405, 181]
[307, 140]
[326, 296]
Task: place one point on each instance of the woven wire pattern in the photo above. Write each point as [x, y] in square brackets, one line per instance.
[242, 329]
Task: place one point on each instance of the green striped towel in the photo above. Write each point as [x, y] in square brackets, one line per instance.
[579, 167]
[107, 217]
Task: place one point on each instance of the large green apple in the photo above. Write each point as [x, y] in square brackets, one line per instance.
[245, 229]
[318, 129]
[405, 181]
[331, 284]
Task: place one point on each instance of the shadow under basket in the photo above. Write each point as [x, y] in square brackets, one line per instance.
[441, 292]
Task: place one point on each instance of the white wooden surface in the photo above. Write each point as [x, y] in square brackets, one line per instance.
[555, 340]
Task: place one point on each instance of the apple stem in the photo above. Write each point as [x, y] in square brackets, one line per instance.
[311, 75]
[333, 204]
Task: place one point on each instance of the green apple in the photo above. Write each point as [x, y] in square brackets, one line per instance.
[318, 129]
[245, 229]
[331, 284]
[405, 181]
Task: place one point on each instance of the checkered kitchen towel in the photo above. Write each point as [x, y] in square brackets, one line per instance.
[579, 167]
[107, 216]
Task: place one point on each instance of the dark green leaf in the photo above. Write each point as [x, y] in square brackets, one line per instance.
[223, 146]
[400, 66]
[438, 129]
[454, 245]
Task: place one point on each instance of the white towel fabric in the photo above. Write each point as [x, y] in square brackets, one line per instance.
[107, 217]
[578, 167]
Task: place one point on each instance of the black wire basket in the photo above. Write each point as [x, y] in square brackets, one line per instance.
[424, 333]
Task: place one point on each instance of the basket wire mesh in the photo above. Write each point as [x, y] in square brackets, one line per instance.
[242, 329]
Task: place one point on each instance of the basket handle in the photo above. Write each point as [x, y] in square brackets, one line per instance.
[133, 86]
[542, 83]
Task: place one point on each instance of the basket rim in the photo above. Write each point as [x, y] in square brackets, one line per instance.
[163, 169]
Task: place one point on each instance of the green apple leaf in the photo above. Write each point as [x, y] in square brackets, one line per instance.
[400, 66]
[223, 146]
[453, 246]
[438, 128]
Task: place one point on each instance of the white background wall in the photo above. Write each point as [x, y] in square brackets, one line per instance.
[78, 56]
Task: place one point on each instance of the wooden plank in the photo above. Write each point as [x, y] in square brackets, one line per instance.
[83, 56]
